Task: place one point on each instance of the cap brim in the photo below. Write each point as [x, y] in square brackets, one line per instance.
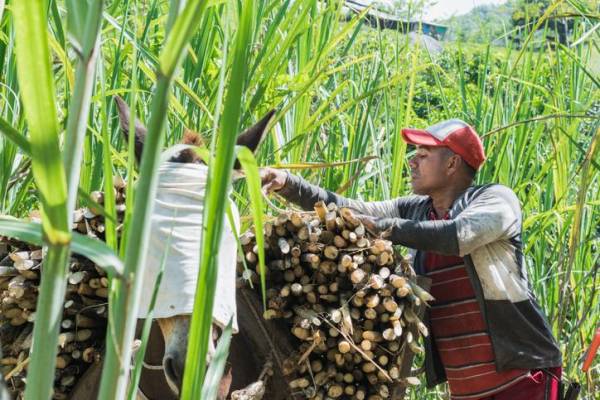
[419, 137]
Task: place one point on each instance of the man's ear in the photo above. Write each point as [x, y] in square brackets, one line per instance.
[140, 129]
[454, 163]
[252, 136]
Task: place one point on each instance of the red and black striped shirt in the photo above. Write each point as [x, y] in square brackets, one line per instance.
[460, 332]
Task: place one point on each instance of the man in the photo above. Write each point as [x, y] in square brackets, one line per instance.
[489, 337]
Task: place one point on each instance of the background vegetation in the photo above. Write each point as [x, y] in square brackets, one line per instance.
[343, 91]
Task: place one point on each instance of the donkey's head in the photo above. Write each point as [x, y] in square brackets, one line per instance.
[175, 329]
[250, 138]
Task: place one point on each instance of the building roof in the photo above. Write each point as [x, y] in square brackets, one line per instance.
[387, 19]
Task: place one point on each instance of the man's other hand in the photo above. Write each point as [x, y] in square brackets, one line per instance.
[272, 179]
[370, 224]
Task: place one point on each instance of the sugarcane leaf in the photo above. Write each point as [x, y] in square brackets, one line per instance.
[87, 201]
[36, 85]
[178, 36]
[216, 368]
[36, 90]
[98, 252]
[86, 16]
[77, 11]
[94, 249]
[115, 374]
[218, 181]
[250, 168]
[181, 32]
[140, 354]
[15, 136]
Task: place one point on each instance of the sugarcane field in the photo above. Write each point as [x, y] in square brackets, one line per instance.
[300, 199]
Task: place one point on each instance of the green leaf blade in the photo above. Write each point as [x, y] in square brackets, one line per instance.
[37, 92]
[94, 249]
[250, 168]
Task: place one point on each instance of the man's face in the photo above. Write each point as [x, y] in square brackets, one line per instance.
[428, 169]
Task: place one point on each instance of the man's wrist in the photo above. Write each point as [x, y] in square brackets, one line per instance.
[287, 183]
[286, 180]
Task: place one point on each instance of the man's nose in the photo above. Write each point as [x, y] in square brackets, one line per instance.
[412, 163]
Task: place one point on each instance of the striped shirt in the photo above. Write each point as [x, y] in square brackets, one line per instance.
[460, 332]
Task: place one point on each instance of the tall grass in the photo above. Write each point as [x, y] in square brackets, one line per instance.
[342, 90]
[57, 191]
[37, 91]
[220, 169]
[125, 295]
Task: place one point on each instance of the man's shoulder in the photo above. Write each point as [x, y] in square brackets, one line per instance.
[493, 188]
[494, 191]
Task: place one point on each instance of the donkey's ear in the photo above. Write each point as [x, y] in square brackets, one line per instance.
[140, 130]
[252, 136]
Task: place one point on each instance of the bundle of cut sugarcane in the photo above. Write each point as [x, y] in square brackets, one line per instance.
[347, 296]
[83, 323]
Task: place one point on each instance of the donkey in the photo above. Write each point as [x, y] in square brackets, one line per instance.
[167, 346]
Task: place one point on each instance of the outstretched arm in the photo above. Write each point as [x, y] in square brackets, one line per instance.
[493, 215]
[297, 190]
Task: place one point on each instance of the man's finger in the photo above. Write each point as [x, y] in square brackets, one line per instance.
[370, 225]
[367, 221]
[264, 175]
[269, 187]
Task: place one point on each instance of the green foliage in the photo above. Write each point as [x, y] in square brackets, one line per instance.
[95, 250]
[342, 92]
[482, 24]
[220, 169]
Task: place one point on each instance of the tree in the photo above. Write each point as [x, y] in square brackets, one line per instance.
[407, 9]
[528, 10]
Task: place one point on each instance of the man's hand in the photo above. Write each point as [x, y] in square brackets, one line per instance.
[370, 224]
[272, 179]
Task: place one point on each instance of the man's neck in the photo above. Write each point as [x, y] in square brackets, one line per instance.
[443, 199]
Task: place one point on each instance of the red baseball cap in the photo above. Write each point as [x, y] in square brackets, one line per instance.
[455, 134]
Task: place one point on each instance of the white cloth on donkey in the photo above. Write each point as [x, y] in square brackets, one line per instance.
[176, 229]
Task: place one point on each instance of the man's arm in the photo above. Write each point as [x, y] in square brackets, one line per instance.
[494, 215]
[299, 191]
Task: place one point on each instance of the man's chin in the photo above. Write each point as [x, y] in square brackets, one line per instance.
[417, 190]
